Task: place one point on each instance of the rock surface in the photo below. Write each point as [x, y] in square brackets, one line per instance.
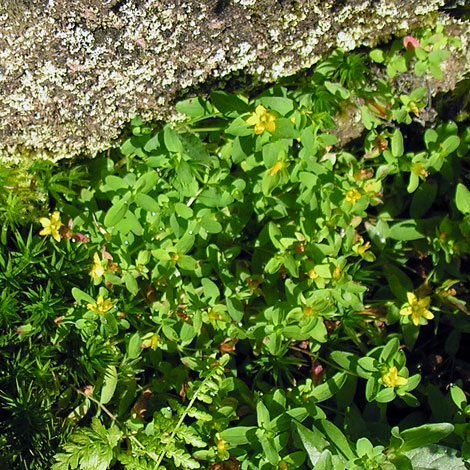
[74, 72]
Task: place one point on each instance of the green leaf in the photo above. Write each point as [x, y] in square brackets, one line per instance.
[187, 333]
[146, 182]
[424, 435]
[109, 385]
[462, 199]
[239, 127]
[211, 290]
[314, 442]
[337, 438]
[210, 225]
[272, 153]
[435, 457]
[193, 107]
[284, 129]
[172, 140]
[116, 213]
[327, 389]
[325, 461]
[238, 435]
[183, 210]
[450, 144]
[215, 197]
[413, 184]
[186, 262]
[109, 322]
[291, 265]
[423, 199]
[154, 143]
[396, 143]
[80, 296]
[368, 119]
[229, 104]
[458, 396]
[269, 450]
[405, 231]
[273, 265]
[147, 203]
[185, 244]
[278, 103]
[196, 150]
[385, 395]
[377, 55]
[337, 90]
[262, 415]
[135, 346]
[235, 308]
[134, 145]
[398, 281]
[389, 350]
[131, 283]
[401, 462]
[115, 183]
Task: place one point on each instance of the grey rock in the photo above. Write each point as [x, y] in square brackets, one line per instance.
[74, 72]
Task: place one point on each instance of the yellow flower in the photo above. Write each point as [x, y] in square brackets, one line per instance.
[417, 308]
[392, 379]
[51, 225]
[418, 169]
[312, 274]
[101, 306]
[363, 248]
[97, 269]
[277, 167]
[262, 120]
[352, 196]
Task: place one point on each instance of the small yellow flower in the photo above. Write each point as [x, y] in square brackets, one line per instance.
[262, 120]
[337, 272]
[392, 379]
[352, 196]
[418, 169]
[312, 274]
[97, 269]
[363, 248]
[417, 308]
[101, 306]
[51, 225]
[277, 167]
[414, 108]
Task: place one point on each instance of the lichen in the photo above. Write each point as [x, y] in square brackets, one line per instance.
[73, 73]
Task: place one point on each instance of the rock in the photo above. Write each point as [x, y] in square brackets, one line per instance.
[74, 72]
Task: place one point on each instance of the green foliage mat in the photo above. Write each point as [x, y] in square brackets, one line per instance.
[241, 290]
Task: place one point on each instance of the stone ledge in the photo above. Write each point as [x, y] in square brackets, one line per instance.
[73, 73]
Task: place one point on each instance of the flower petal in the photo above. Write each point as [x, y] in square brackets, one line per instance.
[56, 235]
[252, 120]
[400, 381]
[424, 302]
[406, 311]
[270, 126]
[44, 221]
[427, 314]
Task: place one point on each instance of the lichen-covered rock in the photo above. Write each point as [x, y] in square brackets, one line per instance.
[74, 72]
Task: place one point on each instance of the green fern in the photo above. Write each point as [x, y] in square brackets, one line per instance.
[89, 448]
[133, 462]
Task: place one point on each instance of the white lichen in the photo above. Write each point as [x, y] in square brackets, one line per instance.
[71, 78]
